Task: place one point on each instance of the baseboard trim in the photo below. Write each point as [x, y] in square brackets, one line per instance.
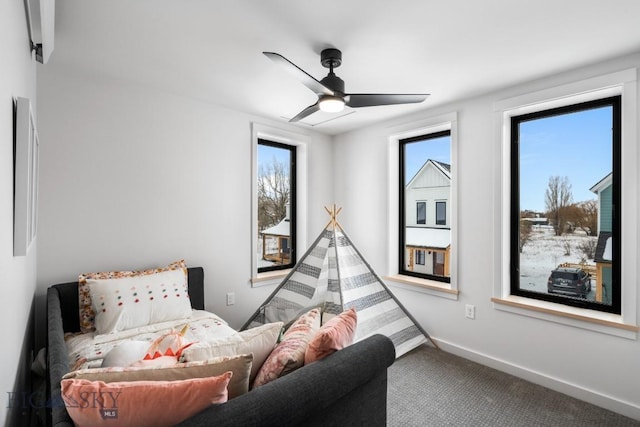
[604, 401]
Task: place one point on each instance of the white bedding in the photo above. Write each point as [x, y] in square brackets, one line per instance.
[88, 350]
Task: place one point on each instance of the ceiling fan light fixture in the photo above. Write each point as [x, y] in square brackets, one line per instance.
[331, 104]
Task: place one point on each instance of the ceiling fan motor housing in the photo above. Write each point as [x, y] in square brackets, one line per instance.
[334, 83]
[331, 58]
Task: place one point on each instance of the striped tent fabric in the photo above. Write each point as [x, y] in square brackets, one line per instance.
[334, 276]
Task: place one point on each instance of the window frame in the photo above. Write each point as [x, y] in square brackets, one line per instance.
[301, 141]
[430, 124]
[292, 204]
[615, 102]
[402, 270]
[622, 82]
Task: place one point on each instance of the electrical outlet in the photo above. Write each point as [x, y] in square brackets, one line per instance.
[470, 311]
[231, 298]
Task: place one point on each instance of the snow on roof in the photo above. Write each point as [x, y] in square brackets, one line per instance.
[437, 238]
[280, 229]
[607, 254]
[537, 219]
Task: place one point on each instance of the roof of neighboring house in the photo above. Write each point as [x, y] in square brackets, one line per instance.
[604, 247]
[444, 168]
[444, 165]
[436, 238]
[602, 184]
[536, 220]
[280, 229]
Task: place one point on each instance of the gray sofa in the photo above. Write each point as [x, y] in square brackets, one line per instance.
[347, 388]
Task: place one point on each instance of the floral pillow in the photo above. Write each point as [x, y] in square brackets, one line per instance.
[289, 353]
[133, 297]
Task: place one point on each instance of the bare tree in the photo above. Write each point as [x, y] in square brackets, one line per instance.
[273, 193]
[588, 248]
[585, 216]
[526, 229]
[557, 198]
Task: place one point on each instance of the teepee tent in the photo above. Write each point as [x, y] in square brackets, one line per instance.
[333, 275]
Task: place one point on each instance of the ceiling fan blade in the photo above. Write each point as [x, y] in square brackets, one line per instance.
[297, 72]
[372, 99]
[306, 112]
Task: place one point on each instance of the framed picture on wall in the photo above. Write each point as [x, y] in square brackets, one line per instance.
[25, 178]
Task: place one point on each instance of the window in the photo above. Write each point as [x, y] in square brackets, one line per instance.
[441, 213]
[565, 205]
[421, 212]
[425, 176]
[276, 191]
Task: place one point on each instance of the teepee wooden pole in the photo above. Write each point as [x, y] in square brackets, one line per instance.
[333, 213]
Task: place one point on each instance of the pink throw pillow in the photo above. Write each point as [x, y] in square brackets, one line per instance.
[289, 353]
[336, 334]
[141, 403]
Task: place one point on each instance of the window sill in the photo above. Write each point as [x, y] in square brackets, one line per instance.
[269, 278]
[607, 323]
[425, 286]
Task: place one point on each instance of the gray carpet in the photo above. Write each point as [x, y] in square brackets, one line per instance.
[429, 387]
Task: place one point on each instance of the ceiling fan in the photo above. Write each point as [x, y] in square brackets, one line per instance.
[330, 90]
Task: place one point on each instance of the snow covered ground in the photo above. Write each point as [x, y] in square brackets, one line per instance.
[544, 252]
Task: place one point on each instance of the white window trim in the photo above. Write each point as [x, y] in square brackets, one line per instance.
[301, 142]
[618, 83]
[424, 127]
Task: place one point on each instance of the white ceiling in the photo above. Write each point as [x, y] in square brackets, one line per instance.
[453, 49]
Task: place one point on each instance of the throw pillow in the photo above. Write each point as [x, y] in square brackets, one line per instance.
[259, 341]
[126, 353]
[131, 302]
[336, 334]
[141, 403]
[289, 353]
[87, 313]
[239, 364]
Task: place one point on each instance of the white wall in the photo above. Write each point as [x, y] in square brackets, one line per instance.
[18, 274]
[596, 367]
[132, 177]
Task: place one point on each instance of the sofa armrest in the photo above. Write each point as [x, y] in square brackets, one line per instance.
[57, 360]
[347, 388]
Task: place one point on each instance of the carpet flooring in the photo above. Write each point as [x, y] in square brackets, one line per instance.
[429, 387]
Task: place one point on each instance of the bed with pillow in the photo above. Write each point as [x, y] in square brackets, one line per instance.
[137, 348]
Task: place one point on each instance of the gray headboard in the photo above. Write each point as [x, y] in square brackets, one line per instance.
[70, 306]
